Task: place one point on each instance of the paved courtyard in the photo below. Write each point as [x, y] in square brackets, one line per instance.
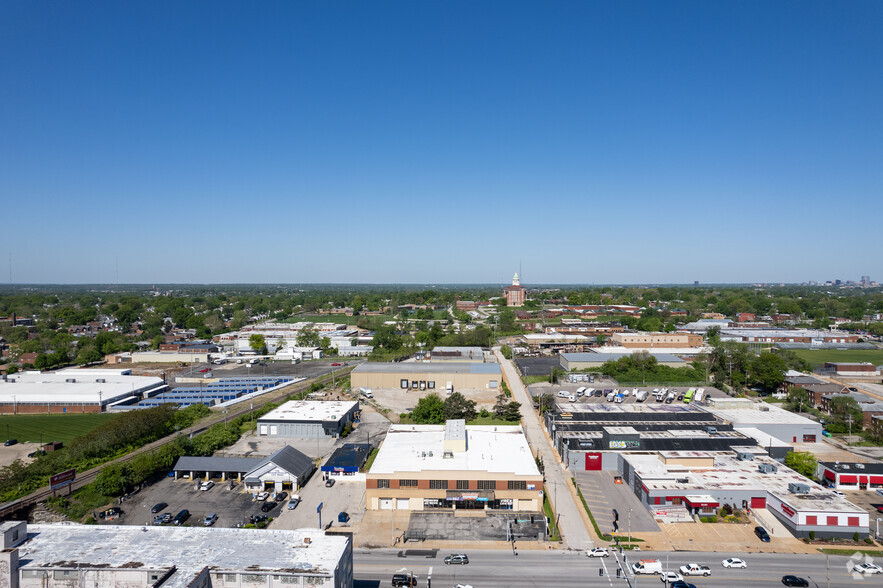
[603, 496]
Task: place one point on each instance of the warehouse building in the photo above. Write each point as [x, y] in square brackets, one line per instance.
[73, 391]
[744, 413]
[650, 341]
[593, 361]
[454, 467]
[462, 354]
[427, 375]
[592, 436]
[308, 419]
[36, 556]
[850, 475]
[698, 483]
[346, 461]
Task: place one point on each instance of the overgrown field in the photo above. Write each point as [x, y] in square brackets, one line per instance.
[818, 357]
[50, 427]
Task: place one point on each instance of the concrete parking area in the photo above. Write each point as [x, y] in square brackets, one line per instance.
[871, 502]
[611, 385]
[233, 507]
[345, 496]
[603, 496]
[399, 401]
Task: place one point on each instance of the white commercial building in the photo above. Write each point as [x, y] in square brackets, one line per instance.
[106, 556]
[72, 390]
[308, 419]
[744, 413]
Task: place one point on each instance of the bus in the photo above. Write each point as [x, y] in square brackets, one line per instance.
[689, 395]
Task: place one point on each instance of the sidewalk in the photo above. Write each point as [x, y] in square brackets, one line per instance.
[558, 485]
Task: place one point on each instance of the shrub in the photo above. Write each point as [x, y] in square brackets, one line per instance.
[812, 535]
[855, 536]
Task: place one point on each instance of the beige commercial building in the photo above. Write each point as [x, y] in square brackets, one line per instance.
[658, 340]
[455, 467]
[427, 375]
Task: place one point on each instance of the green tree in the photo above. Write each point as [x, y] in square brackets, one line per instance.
[308, 337]
[430, 410]
[157, 341]
[506, 351]
[257, 343]
[798, 399]
[802, 462]
[844, 407]
[768, 370]
[457, 406]
[88, 354]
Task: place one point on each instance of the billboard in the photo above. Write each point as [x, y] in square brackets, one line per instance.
[62, 479]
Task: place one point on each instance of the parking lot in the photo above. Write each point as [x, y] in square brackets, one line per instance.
[871, 502]
[604, 388]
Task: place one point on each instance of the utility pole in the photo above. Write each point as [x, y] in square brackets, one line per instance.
[849, 422]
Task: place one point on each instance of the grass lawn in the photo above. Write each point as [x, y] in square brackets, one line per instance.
[53, 427]
[528, 380]
[818, 357]
[554, 534]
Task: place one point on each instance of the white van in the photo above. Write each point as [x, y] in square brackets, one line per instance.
[580, 391]
[640, 395]
[647, 566]
[563, 394]
[611, 395]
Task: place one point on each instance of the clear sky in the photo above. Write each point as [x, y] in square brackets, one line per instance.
[439, 142]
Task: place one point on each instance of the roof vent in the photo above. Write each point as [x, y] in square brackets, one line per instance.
[860, 466]
[448, 455]
[101, 381]
[767, 468]
[71, 380]
[796, 488]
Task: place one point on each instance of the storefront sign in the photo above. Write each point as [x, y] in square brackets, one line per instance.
[624, 444]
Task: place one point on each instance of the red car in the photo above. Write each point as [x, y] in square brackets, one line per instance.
[336, 363]
[203, 370]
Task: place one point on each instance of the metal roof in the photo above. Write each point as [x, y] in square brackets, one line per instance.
[604, 357]
[216, 464]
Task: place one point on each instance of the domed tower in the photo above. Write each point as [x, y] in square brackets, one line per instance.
[515, 293]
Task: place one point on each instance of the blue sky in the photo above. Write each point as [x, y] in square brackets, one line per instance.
[440, 142]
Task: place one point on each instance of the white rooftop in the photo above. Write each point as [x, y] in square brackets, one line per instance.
[495, 449]
[311, 410]
[760, 413]
[188, 548]
[40, 388]
[730, 473]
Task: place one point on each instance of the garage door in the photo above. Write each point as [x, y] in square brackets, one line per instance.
[593, 462]
[402, 504]
[758, 502]
[386, 504]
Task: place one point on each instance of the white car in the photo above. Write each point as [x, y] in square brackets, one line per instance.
[867, 568]
[262, 496]
[669, 577]
[734, 562]
[837, 493]
[207, 485]
[597, 552]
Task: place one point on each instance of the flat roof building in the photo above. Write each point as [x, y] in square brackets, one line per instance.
[850, 475]
[308, 419]
[454, 467]
[698, 483]
[464, 354]
[426, 375]
[72, 390]
[766, 417]
[173, 557]
[587, 361]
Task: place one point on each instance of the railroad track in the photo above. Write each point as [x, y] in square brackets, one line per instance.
[89, 476]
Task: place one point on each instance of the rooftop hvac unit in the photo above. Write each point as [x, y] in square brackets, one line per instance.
[767, 468]
[744, 456]
[448, 455]
[101, 381]
[71, 380]
[763, 408]
[683, 480]
[796, 488]
[859, 466]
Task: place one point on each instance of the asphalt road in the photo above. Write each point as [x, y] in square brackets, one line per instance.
[492, 569]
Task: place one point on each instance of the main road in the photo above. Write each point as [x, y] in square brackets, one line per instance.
[551, 569]
[570, 521]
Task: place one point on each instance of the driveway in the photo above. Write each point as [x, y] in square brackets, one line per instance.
[602, 496]
[558, 484]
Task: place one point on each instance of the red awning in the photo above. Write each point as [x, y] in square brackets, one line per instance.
[829, 475]
[844, 479]
[876, 479]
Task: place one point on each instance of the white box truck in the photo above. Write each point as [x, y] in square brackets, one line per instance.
[366, 392]
[641, 395]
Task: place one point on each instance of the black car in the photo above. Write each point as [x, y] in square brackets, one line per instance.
[111, 512]
[181, 517]
[681, 584]
[329, 482]
[268, 506]
[794, 581]
[255, 519]
[404, 580]
[11, 442]
[281, 496]
[159, 507]
[762, 534]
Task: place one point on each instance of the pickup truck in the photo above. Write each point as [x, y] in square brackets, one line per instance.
[694, 569]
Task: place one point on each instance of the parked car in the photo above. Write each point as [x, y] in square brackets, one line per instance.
[669, 577]
[837, 493]
[10, 442]
[36, 453]
[457, 558]
[867, 568]
[262, 496]
[111, 512]
[158, 507]
[681, 584]
[210, 520]
[598, 552]
[762, 534]
[336, 363]
[268, 505]
[794, 581]
[255, 519]
[329, 482]
[694, 569]
[207, 485]
[162, 519]
[182, 516]
[292, 504]
[408, 580]
[734, 562]
[343, 517]
[281, 497]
